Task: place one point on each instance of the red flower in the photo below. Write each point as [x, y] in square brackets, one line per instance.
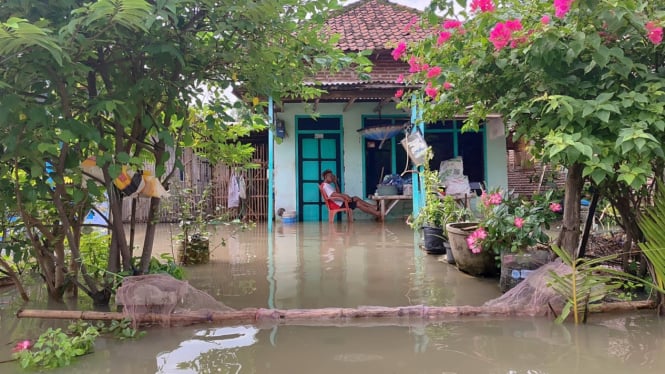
[447, 86]
[452, 24]
[519, 222]
[514, 24]
[399, 93]
[482, 5]
[22, 346]
[411, 23]
[561, 7]
[654, 33]
[444, 36]
[433, 72]
[431, 91]
[500, 36]
[414, 65]
[555, 207]
[398, 52]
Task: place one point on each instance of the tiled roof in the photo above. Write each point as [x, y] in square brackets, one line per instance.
[385, 70]
[375, 25]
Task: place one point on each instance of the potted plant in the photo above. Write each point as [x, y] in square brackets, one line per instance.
[192, 241]
[509, 228]
[438, 211]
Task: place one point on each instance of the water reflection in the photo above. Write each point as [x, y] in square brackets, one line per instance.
[211, 350]
[480, 346]
[319, 265]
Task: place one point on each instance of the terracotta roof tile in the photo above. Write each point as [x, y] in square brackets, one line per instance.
[375, 25]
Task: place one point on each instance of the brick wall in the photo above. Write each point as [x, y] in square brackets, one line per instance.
[524, 174]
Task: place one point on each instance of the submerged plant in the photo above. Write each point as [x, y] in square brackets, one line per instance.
[121, 330]
[55, 348]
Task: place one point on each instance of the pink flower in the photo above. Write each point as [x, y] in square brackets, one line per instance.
[411, 23]
[398, 52]
[431, 91]
[482, 5]
[473, 240]
[444, 36]
[414, 65]
[545, 19]
[452, 24]
[22, 346]
[495, 198]
[500, 36]
[561, 7]
[447, 86]
[399, 93]
[433, 72]
[519, 222]
[514, 24]
[400, 79]
[555, 207]
[654, 33]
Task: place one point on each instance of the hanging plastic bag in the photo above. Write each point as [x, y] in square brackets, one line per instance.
[234, 192]
[129, 182]
[242, 187]
[415, 146]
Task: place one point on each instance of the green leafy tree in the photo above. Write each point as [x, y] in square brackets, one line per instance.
[583, 79]
[119, 80]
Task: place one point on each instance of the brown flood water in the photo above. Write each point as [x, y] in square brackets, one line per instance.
[313, 265]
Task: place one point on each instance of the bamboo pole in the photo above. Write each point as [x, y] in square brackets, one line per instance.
[363, 316]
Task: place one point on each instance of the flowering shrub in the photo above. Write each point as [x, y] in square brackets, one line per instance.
[577, 78]
[511, 224]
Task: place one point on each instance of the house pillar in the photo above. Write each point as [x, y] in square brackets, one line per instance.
[271, 165]
[417, 178]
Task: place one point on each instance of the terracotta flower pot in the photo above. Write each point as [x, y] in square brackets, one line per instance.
[475, 264]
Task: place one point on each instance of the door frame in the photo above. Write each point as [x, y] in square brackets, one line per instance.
[298, 156]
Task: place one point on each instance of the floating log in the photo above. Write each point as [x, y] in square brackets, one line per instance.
[363, 316]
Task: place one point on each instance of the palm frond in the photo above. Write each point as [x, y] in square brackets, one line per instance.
[652, 225]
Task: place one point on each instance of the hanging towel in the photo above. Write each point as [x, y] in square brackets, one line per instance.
[234, 192]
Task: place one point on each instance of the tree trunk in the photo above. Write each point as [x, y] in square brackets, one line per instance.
[569, 236]
[117, 227]
[17, 282]
[149, 239]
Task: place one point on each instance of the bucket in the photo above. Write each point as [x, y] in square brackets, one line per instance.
[289, 217]
[433, 240]
[289, 214]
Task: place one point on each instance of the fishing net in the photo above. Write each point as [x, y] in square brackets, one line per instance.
[164, 296]
[533, 292]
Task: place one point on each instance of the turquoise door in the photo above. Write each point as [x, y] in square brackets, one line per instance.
[317, 152]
